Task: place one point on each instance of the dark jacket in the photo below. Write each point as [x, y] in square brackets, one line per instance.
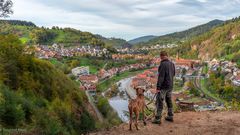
[166, 73]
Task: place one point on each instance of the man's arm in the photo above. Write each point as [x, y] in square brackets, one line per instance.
[161, 76]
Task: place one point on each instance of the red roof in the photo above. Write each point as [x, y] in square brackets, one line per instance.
[142, 76]
[88, 78]
[237, 77]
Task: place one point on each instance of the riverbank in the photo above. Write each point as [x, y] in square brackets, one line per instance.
[104, 85]
[120, 103]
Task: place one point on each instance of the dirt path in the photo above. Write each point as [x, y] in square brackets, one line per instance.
[186, 123]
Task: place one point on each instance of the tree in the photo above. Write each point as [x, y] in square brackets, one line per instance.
[6, 8]
[11, 112]
[184, 71]
[11, 51]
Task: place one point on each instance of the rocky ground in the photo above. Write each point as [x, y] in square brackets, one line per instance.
[186, 123]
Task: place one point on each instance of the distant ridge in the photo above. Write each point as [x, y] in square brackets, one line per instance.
[18, 22]
[184, 35]
[115, 42]
[141, 39]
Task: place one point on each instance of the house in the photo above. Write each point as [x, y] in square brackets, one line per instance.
[55, 46]
[213, 62]
[102, 74]
[91, 88]
[79, 71]
[88, 79]
[186, 62]
[236, 80]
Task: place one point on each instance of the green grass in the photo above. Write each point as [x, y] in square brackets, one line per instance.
[104, 85]
[54, 61]
[195, 100]
[205, 69]
[177, 85]
[208, 93]
[95, 64]
[24, 40]
[92, 67]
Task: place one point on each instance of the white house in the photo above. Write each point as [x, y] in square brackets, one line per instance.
[78, 71]
[236, 80]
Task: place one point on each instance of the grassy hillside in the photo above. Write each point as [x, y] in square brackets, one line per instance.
[31, 34]
[183, 35]
[37, 97]
[220, 42]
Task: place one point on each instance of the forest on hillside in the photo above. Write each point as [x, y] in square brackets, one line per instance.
[30, 34]
[221, 42]
[178, 37]
[36, 96]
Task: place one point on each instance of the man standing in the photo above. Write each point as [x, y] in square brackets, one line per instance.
[166, 73]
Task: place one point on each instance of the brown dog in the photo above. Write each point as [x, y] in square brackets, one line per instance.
[136, 106]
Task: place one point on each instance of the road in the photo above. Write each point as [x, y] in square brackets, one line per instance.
[130, 91]
[197, 84]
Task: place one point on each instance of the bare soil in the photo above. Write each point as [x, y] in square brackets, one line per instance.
[186, 123]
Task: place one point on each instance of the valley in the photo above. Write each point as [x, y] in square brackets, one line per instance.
[61, 80]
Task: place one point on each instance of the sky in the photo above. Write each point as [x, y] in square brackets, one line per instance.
[125, 19]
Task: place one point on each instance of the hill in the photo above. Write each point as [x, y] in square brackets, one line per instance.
[114, 42]
[220, 42]
[29, 33]
[183, 35]
[37, 97]
[141, 39]
[186, 123]
[18, 22]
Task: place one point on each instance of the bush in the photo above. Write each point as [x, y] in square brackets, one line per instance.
[11, 111]
[103, 106]
[109, 114]
[48, 124]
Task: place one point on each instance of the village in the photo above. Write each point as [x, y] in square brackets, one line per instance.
[228, 69]
[59, 51]
[186, 70]
[89, 81]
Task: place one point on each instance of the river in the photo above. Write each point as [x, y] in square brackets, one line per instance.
[120, 103]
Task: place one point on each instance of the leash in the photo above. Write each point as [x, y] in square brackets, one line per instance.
[153, 111]
[151, 101]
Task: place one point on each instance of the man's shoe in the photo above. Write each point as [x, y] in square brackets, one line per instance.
[157, 121]
[169, 118]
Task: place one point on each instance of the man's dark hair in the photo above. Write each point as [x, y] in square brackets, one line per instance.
[163, 53]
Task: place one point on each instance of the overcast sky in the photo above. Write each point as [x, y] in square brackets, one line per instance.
[125, 18]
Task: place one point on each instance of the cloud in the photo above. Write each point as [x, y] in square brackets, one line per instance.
[125, 18]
